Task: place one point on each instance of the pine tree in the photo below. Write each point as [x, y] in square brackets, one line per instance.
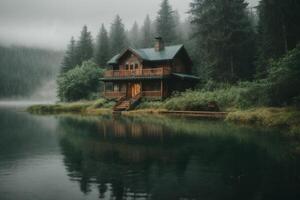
[178, 27]
[69, 61]
[102, 47]
[165, 23]
[147, 33]
[84, 47]
[225, 39]
[134, 36]
[279, 29]
[118, 40]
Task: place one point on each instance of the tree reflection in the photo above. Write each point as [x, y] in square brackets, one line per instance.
[163, 158]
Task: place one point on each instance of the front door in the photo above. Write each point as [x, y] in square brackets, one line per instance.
[135, 89]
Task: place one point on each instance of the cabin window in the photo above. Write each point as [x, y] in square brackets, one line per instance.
[116, 87]
[136, 65]
[131, 67]
[127, 66]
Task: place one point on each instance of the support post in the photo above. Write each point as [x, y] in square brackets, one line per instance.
[161, 89]
[104, 89]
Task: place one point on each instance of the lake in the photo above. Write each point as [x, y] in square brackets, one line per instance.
[149, 157]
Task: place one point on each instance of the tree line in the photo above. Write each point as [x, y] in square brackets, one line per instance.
[109, 43]
[23, 69]
[228, 41]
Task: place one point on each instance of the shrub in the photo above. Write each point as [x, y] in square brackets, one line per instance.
[197, 100]
[150, 105]
[80, 82]
[284, 79]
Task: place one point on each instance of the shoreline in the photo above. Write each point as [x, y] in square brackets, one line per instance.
[287, 118]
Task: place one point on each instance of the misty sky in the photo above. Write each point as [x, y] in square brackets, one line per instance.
[51, 23]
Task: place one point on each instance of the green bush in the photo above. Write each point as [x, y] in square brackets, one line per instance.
[284, 79]
[79, 83]
[150, 105]
[197, 100]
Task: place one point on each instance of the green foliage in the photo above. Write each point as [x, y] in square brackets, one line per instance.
[279, 32]
[165, 23]
[76, 107]
[147, 33]
[118, 40]
[102, 48]
[280, 88]
[80, 82]
[84, 46]
[69, 61]
[284, 79]
[225, 39]
[197, 100]
[134, 36]
[150, 105]
[99, 103]
[23, 70]
[270, 117]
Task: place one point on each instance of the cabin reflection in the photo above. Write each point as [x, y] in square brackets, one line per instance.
[136, 158]
[130, 129]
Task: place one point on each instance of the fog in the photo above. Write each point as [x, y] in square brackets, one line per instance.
[51, 23]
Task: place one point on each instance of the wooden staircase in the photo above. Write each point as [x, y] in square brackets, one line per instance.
[125, 104]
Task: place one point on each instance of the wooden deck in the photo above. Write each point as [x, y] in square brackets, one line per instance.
[153, 72]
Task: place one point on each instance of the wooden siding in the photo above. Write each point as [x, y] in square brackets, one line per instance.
[153, 72]
[117, 94]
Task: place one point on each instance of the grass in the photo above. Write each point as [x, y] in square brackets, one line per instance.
[99, 106]
[228, 99]
[198, 99]
[269, 117]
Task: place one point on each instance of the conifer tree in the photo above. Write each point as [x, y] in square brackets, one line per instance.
[279, 29]
[102, 47]
[147, 33]
[165, 23]
[225, 39]
[134, 36]
[84, 47]
[118, 40]
[69, 60]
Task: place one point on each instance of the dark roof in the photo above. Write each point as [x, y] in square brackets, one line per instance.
[150, 54]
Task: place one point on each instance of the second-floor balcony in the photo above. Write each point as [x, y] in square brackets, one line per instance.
[150, 72]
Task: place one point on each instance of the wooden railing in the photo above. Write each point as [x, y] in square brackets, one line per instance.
[114, 94]
[138, 72]
[118, 95]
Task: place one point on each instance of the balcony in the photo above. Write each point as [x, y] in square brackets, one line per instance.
[153, 72]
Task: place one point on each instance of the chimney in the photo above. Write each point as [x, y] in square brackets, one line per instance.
[159, 44]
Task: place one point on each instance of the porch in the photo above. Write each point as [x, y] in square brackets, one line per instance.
[147, 89]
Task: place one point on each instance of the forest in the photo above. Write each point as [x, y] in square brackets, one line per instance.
[23, 70]
[244, 56]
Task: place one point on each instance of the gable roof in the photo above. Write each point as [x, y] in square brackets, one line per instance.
[150, 54]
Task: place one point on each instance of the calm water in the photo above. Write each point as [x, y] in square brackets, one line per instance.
[73, 157]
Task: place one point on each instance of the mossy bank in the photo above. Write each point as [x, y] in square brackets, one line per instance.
[285, 118]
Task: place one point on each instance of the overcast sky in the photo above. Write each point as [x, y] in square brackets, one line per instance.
[51, 23]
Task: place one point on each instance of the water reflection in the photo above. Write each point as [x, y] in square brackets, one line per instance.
[170, 158]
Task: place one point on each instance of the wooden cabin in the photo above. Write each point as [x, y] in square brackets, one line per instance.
[152, 73]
